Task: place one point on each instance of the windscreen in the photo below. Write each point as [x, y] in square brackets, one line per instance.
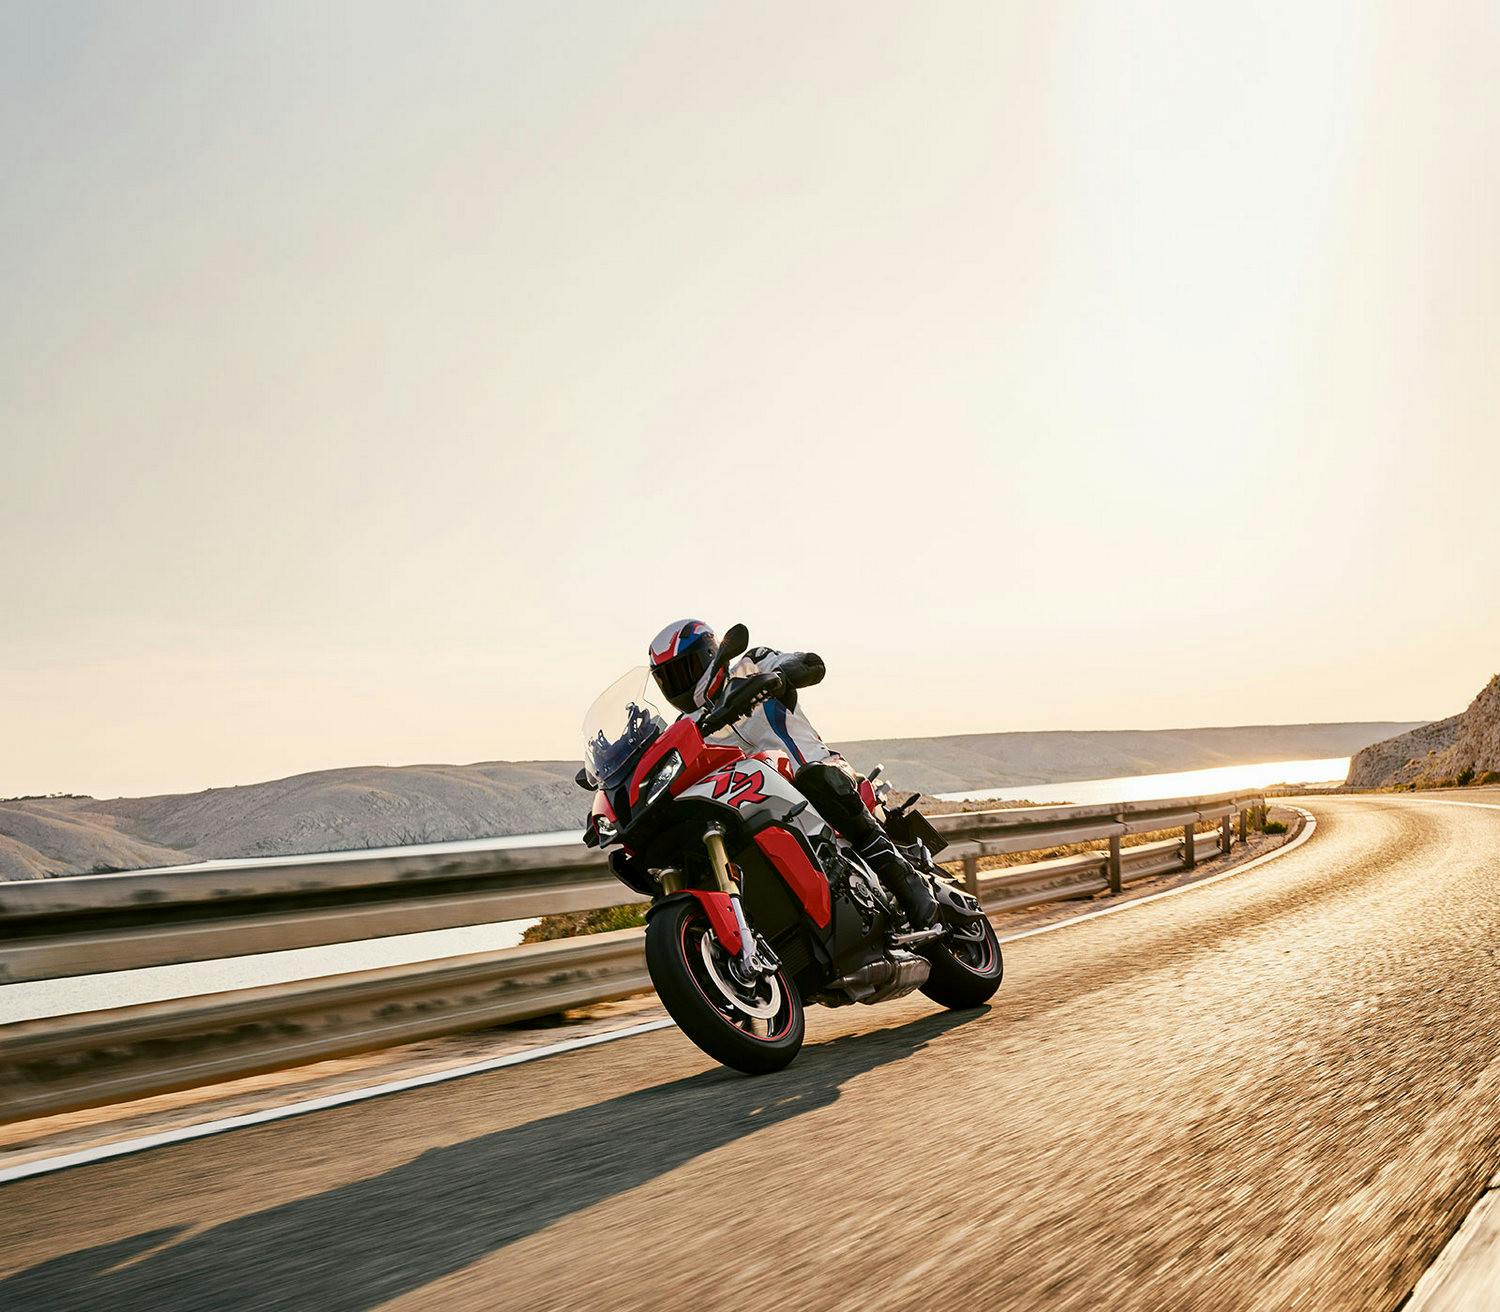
[623, 719]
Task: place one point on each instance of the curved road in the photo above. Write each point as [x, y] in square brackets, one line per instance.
[1278, 1091]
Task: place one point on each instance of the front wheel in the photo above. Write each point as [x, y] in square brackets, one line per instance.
[967, 966]
[752, 1024]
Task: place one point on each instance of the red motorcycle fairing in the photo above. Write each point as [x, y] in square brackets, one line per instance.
[757, 787]
[720, 917]
[781, 761]
[867, 794]
[804, 879]
[769, 803]
[698, 757]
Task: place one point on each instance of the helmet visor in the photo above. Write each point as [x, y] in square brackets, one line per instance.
[679, 676]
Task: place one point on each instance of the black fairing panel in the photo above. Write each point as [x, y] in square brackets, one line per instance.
[672, 834]
[858, 931]
[769, 903]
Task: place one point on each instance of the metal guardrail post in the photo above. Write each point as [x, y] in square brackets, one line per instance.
[1244, 824]
[1226, 834]
[1189, 856]
[1114, 863]
[971, 874]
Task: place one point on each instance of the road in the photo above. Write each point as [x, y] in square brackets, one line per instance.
[1278, 1091]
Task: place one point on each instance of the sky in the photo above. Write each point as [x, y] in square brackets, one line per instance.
[376, 380]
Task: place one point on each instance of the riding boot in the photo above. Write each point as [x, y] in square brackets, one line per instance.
[831, 789]
[910, 888]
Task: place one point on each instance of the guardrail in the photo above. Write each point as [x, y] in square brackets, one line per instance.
[98, 923]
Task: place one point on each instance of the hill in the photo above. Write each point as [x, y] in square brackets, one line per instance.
[325, 811]
[1454, 750]
[387, 806]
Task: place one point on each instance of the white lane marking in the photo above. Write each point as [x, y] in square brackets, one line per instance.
[1308, 826]
[126, 1147]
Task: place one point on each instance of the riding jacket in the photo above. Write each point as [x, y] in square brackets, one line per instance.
[776, 725]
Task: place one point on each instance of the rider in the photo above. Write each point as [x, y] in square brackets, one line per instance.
[681, 655]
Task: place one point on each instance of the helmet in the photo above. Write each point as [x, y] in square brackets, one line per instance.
[680, 654]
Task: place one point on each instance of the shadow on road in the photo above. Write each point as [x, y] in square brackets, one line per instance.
[376, 1238]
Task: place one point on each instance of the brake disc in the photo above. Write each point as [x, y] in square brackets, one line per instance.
[740, 996]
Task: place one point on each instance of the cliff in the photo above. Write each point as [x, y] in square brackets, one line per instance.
[1452, 751]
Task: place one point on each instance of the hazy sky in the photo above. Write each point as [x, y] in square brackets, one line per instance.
[376, 380]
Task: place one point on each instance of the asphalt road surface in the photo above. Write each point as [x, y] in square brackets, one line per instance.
[1278, 1091]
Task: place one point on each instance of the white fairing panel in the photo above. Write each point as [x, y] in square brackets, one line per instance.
[755, 789]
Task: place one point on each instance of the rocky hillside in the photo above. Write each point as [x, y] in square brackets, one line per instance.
[1456, 750]
[378, 806]
[326, 811]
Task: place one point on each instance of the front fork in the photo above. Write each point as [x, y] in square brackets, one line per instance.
[755, 956]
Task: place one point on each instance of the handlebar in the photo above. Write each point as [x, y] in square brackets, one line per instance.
[740, 701]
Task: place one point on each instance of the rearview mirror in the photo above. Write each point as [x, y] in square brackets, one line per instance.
[731, 647]
[582, 779]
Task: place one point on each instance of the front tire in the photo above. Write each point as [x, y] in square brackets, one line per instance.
[752, 1026]
[967, 966]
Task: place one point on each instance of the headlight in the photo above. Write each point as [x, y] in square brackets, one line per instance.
[657, 782]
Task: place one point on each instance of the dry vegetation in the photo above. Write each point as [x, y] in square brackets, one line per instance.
[570, 924]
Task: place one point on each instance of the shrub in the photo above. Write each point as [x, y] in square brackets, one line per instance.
[1466, 776]
[569, 924]
[1275, 827]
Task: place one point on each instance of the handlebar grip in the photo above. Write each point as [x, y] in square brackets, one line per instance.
[740, 701]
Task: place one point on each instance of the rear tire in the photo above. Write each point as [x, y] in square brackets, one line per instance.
[967, 966]
[755, 1029]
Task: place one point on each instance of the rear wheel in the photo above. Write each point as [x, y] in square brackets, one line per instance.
[752, 1023]
[967, 966]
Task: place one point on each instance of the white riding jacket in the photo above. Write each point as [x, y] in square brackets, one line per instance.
[772, 726]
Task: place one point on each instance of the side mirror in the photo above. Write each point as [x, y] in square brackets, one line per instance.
[731, 647]
[582, 779]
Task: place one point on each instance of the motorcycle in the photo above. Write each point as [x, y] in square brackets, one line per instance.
[757, 905]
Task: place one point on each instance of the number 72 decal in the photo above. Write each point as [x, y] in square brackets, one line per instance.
[740, 787]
